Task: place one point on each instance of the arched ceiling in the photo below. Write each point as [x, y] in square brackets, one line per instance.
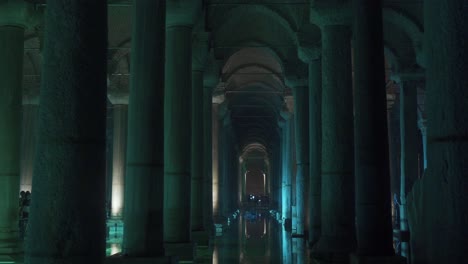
[254, 86]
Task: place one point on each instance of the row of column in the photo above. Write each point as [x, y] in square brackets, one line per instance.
[72, 138]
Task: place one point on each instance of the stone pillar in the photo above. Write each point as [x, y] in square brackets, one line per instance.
[337, 238]
[144, 170]
[177, 136]
[11, 69]
[67, 222]
[207, 160]
[29, 131]
[215, 158]
[438, 200]
[312, 57]
[409, 151]
[372, 170]
[197, 153]
[301, 122]
[199, 57]
[286, 168]
[119, 150]
[423, 130]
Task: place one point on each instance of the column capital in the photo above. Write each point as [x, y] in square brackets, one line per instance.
[118, 99]
[324, 14]
[218, 98]
[309, 54]
[408, 76]
[294, 82]
[19, 13]
[288, 105]
[182, 12]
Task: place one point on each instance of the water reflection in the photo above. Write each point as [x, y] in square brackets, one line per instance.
[258, 238]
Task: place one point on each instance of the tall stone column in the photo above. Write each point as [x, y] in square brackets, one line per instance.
[207, 160]
[438, 201]
[67, 222]
[423, 130]
[301, 122]
[409, 151]
[29, 131]
[286, 167]
[119, 148]
[144, 162]
[11, 69]
[337, 238]
[177, 140]
[196, 148]
[312, 56]
[215, 157]
[199, 57]
[372, 170]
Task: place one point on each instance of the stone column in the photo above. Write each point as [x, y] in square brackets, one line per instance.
[301, 122]
[409, 152]
[177, 137]
[207, 160]
[199, 57]
[286, 168]
[423, 130]
[438, 201]
[337, 238]
[312, 57]
[11, 69]
[119, 148]
[215, 158]
[372, 170]
[144, 170]
[29, 131]
[67, 222]
[197, 153]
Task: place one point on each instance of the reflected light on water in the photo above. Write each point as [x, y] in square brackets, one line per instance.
[215, 255]
[115, 248]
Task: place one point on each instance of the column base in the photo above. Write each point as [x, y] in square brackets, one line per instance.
[200, 237]
[6, 259]
[357, 259]
[157, 260]
[183, 251]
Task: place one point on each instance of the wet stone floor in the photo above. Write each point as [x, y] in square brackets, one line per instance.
[251, 238]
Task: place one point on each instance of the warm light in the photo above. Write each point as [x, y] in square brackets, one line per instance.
[117, 195]
[115, 248]
[215, 192]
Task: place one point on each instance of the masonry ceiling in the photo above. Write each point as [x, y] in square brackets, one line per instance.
[253, 49]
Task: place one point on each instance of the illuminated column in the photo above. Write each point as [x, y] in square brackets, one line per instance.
[144, 162]
[67, 221]
[215, 155]
[372, 169]
[286, 168]
[312, 56]
[11, 69]
[337, 238]
[28, 141]
[423, 129]
[301, 122]
[120, 113]
[409, 149]
[207, 159]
